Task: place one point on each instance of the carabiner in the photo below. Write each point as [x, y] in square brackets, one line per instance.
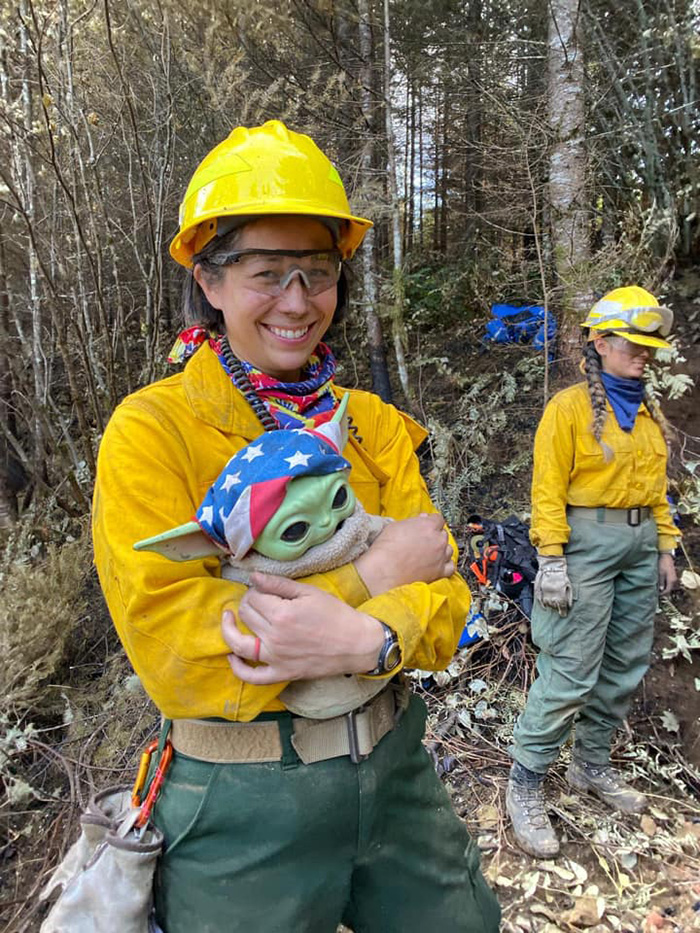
[156, 784]
[144, 765]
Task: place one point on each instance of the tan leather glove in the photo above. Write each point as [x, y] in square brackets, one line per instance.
[552, 584]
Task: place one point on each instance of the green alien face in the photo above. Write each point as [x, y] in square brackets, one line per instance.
[311, 512]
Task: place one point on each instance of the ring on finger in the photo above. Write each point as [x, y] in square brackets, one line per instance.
[256, 649]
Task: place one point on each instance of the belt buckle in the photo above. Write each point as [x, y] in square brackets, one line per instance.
[634, 517]
[353, 738]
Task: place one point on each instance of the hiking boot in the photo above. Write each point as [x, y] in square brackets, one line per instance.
[531, 826]
[607, 783]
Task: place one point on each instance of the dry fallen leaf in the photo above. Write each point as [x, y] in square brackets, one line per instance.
[586, 911]
[487, 816]
[578, 870]
[669, 720]
[690, 580]
[529, 883]
[653, 922]
[648, 825]
[503, 882]
[564, 873]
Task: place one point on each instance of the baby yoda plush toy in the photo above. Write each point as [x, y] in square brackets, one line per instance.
[283, 505]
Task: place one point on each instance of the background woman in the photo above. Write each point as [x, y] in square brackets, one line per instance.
[277, 822]
[605, 538]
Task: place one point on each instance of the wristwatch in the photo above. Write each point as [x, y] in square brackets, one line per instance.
[389, 654]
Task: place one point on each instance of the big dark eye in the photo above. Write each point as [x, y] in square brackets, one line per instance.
[295, 532]
[340, 498]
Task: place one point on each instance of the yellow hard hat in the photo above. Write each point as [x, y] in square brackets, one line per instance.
[633, 313]
[266, 169]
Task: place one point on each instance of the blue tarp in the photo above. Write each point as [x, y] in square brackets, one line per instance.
[520, 324]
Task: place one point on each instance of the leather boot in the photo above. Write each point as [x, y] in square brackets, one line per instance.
[607, 784]
[531, 826]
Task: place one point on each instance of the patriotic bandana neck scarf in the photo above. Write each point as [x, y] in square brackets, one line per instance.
[307, 403]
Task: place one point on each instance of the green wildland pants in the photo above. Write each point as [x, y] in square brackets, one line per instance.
[285, 847]
[591, 660]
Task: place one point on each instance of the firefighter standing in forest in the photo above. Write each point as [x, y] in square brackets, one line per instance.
[605, 538]
[274, 821]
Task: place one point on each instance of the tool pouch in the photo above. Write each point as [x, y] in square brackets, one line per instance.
[106, 879]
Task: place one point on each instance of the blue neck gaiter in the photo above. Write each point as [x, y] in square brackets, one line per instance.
[625, 397]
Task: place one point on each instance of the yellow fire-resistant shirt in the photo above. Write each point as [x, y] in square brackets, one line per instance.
[162, 449]
[570, 469]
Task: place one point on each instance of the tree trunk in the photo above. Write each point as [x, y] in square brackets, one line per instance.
[398, 325]
[381, 384]
[567, 169]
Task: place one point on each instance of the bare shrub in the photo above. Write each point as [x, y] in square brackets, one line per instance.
[40, 606]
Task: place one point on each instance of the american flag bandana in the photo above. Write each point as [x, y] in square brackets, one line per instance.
[253, 484]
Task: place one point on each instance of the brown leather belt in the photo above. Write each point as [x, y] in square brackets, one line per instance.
[355, 734]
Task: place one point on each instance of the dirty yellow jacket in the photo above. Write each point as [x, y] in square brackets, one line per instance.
[162, 449]
[570, 469]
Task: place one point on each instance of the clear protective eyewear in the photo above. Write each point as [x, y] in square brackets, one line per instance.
[646, 320]
[269, 271]
[629, 348]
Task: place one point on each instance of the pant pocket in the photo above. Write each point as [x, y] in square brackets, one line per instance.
[183, 800]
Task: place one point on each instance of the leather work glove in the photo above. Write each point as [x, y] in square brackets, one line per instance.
[552, 584]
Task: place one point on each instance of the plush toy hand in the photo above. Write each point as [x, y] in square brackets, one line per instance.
[552, 584]
[667, 574]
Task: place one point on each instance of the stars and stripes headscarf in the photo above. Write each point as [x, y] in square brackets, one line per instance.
[254, 482]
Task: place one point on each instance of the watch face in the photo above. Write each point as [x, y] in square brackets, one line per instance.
[392, 657]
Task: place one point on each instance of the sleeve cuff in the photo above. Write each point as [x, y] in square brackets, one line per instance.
[551, 550]
[667, 544]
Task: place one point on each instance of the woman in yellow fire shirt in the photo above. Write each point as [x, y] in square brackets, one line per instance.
[604, 535]
[274, 821]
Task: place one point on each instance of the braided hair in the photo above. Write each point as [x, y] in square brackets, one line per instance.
[592, 367]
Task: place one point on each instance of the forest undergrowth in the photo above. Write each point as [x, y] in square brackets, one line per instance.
[75, 718]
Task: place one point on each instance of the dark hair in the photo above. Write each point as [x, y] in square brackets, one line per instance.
[195, 306]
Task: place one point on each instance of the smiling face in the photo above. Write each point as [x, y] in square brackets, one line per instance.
[622, 358]
[277, 334]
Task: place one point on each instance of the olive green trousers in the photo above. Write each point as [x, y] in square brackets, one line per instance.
[285, 847]
[592, 660]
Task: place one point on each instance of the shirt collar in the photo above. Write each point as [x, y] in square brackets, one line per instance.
[214, 399]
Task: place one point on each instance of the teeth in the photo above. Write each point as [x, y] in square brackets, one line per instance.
[289, 334]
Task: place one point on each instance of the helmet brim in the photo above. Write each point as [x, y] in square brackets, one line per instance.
[182, 251]
[643, 340]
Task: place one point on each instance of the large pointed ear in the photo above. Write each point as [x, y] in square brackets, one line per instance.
[186, 542]
[336, 430]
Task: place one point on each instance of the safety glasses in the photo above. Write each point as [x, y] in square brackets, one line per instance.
[647, 320]
[631, 349]
[270, 271]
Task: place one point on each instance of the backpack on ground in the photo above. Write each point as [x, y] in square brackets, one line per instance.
[503, 558]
